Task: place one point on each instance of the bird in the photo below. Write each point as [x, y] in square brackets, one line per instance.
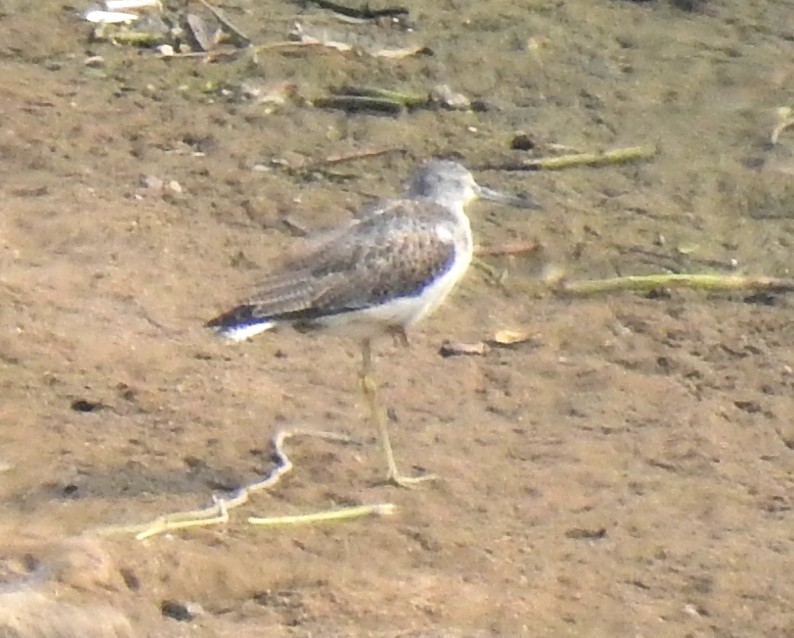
[379, 273]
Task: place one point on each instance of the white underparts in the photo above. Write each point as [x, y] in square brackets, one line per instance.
[246, 331]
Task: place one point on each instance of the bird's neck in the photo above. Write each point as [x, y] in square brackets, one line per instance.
[450, 203]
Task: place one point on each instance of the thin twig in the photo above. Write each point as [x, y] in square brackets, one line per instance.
[508, 249]
[597, 158]
[781, 126]
[343, 157]
[218, 512]
[213, 53]
[365, 13]
[225, 21]
[345, 513]
[705, 282]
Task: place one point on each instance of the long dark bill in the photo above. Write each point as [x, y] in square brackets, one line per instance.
[518, 201]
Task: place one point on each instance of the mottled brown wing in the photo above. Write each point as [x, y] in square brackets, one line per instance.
[396, 251]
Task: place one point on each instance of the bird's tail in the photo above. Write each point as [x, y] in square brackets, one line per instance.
[240, 323]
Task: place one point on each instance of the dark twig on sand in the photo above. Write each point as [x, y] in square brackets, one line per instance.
[364, 13]
[704, 282]
[597, 158]
[508, 249]
[220, 17]
[341, 158]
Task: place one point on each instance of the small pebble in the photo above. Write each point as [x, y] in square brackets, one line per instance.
[522, 142]
[181, 610]
[151, 182]
[458, 348]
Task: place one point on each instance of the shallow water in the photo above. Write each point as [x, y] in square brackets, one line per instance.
[627, 471]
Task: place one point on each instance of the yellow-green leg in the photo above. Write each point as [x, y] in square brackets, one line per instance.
[370, 388]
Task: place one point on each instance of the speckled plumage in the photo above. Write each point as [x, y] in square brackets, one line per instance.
[383, 270]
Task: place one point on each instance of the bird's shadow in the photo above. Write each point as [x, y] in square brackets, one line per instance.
[200, 478]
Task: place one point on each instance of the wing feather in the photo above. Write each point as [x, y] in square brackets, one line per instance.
[394, 251]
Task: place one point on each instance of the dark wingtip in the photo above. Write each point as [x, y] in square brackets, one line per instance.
[241, 315]
[239, 323]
